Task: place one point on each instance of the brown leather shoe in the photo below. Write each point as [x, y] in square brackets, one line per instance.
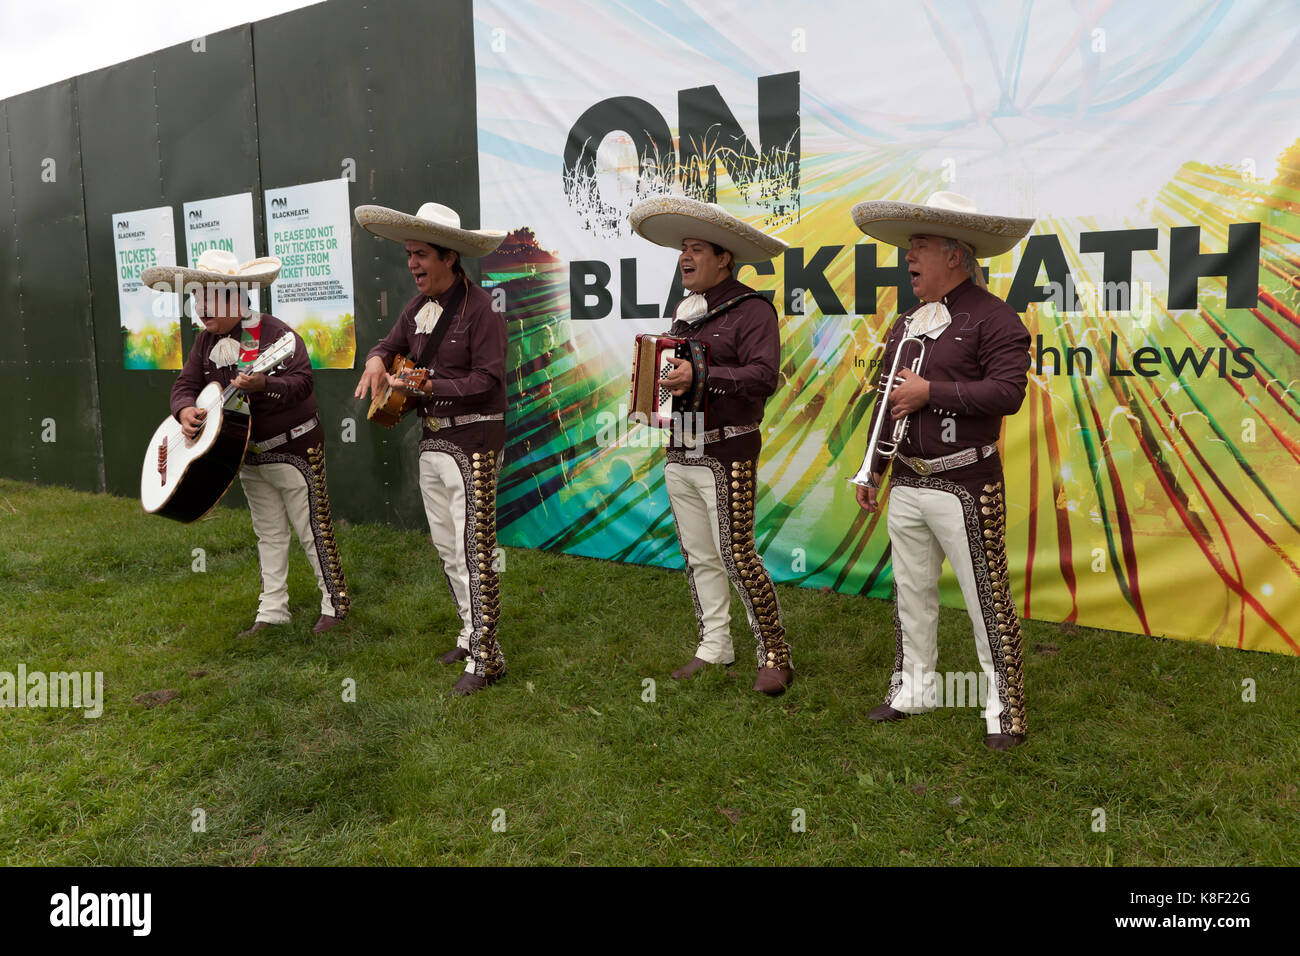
[1003, 742]
[774, 680]
[884, 714]
[327, 622]
[453, 655]
[472, 683]
[696, 664]
[257, 626]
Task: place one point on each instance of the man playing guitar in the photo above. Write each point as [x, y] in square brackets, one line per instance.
[284, 470]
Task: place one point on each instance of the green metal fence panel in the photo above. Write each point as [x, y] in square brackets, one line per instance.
[50, 393]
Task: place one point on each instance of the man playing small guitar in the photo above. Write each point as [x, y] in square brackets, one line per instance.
[283, 475]
[451, 328]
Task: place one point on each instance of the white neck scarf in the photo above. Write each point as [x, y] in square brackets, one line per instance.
[930, 319]
[425, 318]
[225, 352]
[692, 308]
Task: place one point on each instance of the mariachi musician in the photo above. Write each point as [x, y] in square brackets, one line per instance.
[283, 472]
[962, 358]
[710, 477]
[451, 330]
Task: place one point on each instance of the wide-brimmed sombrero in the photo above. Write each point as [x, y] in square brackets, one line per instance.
[434, 223]
[943, 214]
[667, 220]
[215, 267]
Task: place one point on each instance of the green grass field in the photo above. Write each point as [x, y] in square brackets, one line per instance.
[564, 756]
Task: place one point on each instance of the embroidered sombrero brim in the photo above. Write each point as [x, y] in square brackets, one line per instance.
[403, 227]
[667, 220]
[257, 273]
[897, 222]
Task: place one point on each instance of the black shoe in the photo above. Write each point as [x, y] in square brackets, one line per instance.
[884, 714]
[774, 680]
[686, 670]
[472, 683]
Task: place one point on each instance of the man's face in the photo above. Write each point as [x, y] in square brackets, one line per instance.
[935, 270]
[702, 268]
[432, 274]
[219, 308]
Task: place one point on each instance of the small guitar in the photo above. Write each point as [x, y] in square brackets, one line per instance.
[184, 478]
[390, 405]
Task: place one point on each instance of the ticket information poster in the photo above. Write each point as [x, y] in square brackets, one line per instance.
[308, 230]
[151, 331]
[225, 222]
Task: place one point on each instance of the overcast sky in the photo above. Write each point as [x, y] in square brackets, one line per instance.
[44, 41]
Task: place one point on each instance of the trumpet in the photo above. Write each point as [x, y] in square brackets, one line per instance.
[887, 449]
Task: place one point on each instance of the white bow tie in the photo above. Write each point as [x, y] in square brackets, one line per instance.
[425, 318]
[692, 308]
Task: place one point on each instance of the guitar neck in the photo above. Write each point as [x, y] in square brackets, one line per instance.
[264, 363]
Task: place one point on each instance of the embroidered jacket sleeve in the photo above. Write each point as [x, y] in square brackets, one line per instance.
[191, 380]
[1002, 353]
[758, 350]
[398, 337]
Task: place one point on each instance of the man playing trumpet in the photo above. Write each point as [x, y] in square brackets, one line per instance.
[945, 405]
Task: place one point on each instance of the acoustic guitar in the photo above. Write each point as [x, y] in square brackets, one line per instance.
[390, 405]
[184, 478]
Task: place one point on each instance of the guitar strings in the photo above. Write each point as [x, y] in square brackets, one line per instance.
[176, 433]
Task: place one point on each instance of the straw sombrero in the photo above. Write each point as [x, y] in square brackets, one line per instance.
[668, 220]
[435, 224]
[215, 267]
[944, 214]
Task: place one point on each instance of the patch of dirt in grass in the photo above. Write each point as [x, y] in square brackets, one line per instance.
[156, 698]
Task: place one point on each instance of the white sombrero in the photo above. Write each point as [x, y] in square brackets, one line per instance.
[215, 267]
[435, 224]
[944, 214]
[668, 220]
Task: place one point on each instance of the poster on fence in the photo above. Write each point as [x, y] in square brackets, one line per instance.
[226, 223]
[1150, 469]
[309, 228]
[151, 331]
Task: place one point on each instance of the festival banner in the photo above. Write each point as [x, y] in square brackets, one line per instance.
[309, 228]
[151, 331]
[1150, 470]
[225, 222]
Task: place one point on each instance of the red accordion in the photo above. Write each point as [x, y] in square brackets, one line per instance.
[651, 402]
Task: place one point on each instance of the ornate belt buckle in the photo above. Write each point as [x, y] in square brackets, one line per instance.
[920, 466]
[432, 422]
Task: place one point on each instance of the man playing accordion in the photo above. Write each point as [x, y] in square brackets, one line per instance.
[710, 477]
